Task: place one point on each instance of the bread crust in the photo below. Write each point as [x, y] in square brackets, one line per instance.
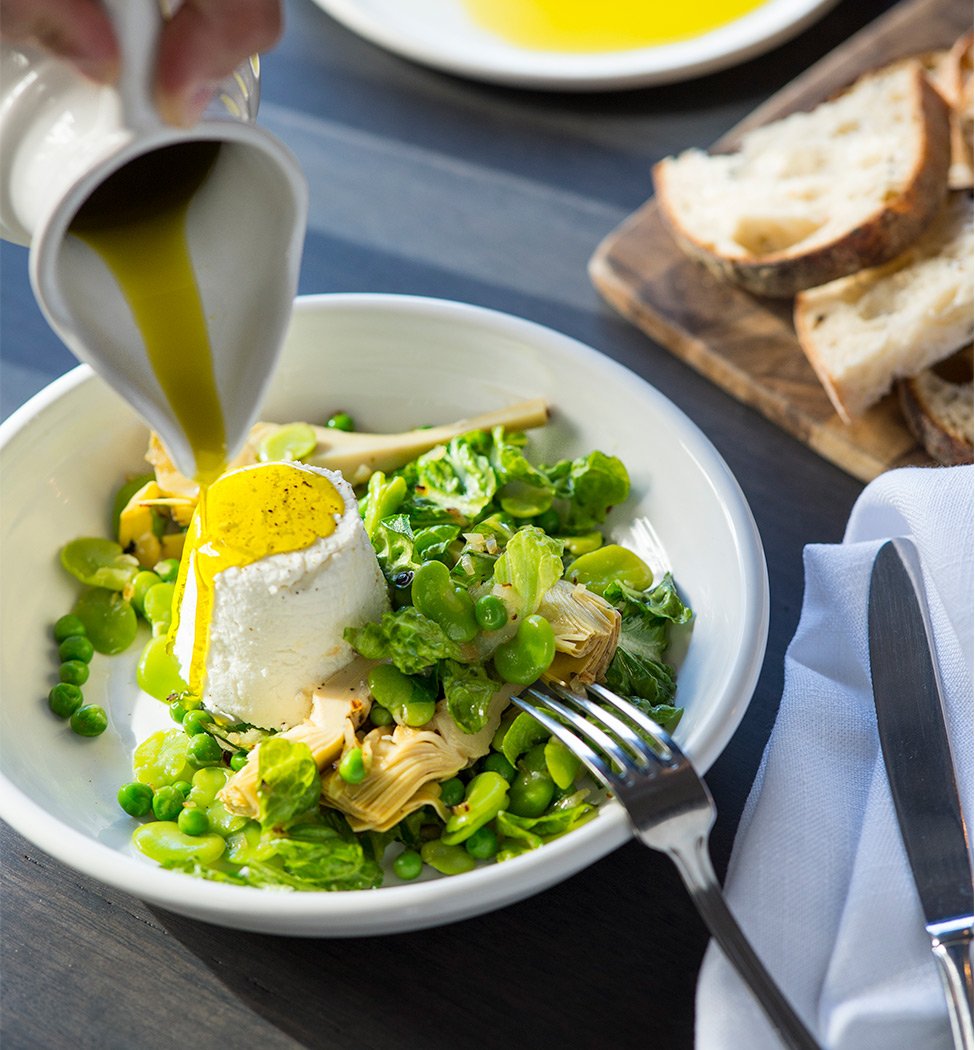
[938, 434]
[879, 237]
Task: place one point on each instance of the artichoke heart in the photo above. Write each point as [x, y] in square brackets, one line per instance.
[406, 765]
[587, 631]
[338, 707]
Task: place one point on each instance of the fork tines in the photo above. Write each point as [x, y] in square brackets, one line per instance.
[595, 734]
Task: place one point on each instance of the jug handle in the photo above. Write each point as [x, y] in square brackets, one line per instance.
[138, 24]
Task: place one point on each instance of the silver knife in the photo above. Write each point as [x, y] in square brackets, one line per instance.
[914, 741]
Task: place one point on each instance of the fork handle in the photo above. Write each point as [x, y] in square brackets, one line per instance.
[698, 874]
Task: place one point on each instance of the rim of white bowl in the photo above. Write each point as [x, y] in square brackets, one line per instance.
[399, 908]
[753, 34]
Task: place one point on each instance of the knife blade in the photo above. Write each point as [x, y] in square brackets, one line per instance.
[914, 741]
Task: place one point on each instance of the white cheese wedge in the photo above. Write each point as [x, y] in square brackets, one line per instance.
[264, 632]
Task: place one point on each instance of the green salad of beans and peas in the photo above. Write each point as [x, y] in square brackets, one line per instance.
[445, 527]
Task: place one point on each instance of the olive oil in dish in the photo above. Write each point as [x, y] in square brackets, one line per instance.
[614, 25]
[136, 222]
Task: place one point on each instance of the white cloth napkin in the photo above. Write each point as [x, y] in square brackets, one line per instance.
[818, 877]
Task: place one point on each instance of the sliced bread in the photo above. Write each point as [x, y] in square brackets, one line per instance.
[938, 407]
[862, 332]
[816, 195]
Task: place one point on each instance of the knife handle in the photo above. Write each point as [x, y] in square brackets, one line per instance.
[951, 943]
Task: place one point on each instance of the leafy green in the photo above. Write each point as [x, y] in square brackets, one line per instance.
[412, 641]
[468, 691]
[383, 498]
[587, 489]
[288, 782]
[530, 565]
[452, 482]
[521, 834]
[392, 540]
[637, 670]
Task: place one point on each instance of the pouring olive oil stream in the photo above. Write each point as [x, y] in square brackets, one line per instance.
[136, 222]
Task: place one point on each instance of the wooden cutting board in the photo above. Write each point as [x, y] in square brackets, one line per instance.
[745, 344]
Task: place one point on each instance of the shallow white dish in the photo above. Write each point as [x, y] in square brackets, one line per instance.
[393, 362]
[439, 33]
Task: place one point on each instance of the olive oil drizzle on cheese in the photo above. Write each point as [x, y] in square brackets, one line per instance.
[244, 516]
[613, 25]
[136, 222]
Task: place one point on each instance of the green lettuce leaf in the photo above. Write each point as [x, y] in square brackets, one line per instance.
[530, 565]
[453, 482]
[587, 489]
[406, 637]
[468, 691]
[289, 785]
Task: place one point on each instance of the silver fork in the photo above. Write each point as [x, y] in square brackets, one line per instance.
[671, 810]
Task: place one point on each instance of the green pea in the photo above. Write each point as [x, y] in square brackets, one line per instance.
[109, 620]
[204, 750]
[531, 794]
[483, 844]
[389, 686]
[196, 721]
[340, 421]
[525, 658]
[437, 596]
[495, 762]
[184, 787]
[445, 858]
[452, 792]
[238, 760]
[486, 796]
[164, 842]
[177, 712]
[135, 798]
[140, 586]
[352, 768]
[167, 570]
[609, 564]
[490, 612]
[158, 607]
[73, 671]
[193, 822]
[89, 720]
[167, 804]
[287, 443]
[158, 670]
[408, 865]
[68, 626]
[76, 647]
[379, 715]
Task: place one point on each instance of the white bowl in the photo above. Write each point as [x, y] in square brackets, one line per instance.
[441, 34]
[393, 362]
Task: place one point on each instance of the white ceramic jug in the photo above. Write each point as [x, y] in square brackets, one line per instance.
[62, 137]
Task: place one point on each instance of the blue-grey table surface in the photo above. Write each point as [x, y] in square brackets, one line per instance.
[427, 184]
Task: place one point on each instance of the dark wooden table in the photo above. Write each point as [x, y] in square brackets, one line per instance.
[423, 183]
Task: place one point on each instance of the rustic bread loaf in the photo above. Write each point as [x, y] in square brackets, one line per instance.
[862, 332]
[816, 195]
[938, 407]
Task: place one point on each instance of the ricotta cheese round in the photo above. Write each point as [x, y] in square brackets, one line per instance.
[277, 564]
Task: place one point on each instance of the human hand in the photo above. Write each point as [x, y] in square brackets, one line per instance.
[203, 42]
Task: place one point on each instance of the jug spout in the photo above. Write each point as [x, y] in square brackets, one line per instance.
[178, 290]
